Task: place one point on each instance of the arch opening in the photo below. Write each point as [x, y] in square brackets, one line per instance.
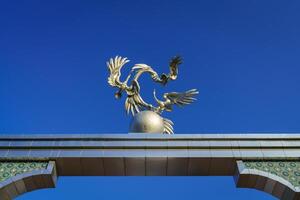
[18, 177]
[273, 177]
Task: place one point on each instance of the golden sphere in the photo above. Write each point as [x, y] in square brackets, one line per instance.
[147, 122]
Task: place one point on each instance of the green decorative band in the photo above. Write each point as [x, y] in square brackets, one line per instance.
[288, 170]
[11, 169]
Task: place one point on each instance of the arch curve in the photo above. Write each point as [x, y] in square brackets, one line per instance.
[30, 180]
[266, 181]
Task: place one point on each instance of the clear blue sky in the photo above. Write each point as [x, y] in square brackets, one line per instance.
[243, 56]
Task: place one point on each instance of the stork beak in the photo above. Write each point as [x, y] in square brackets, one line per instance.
[118, 94]
[164, 79]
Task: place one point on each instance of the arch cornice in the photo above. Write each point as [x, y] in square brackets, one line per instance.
[279, 178]
[18, 177]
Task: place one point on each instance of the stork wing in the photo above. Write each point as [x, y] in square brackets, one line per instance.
[174, 63]
[131, 105]
[183, 98]
[114, 67]
[168, 126]
[134, 101]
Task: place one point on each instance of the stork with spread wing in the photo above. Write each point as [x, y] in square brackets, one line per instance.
[134, 102]
[174, 63]
[175, 98]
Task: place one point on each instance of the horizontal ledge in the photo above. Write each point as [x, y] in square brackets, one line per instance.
[148, 147]
[143, 136]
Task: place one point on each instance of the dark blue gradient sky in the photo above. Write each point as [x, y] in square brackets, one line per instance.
[243, 56]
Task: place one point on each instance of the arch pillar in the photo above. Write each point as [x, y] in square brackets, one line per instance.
[18, 177]
[279, 178]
